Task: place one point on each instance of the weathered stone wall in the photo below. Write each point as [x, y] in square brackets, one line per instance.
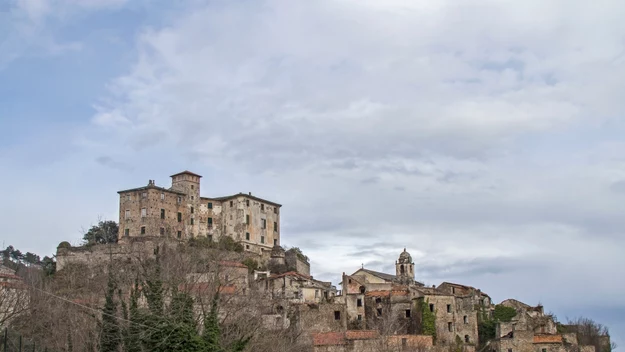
[293, 262]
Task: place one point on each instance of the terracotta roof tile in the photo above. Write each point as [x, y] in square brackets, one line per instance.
[186, 172]
[361, 334]
[547, 338]
[328, 339]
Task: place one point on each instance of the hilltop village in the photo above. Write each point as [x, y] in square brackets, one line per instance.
[370, 311]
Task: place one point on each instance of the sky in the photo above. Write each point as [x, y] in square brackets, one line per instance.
[487, 137]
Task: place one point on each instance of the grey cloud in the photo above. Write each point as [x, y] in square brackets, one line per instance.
[113, 164]
[618, 187]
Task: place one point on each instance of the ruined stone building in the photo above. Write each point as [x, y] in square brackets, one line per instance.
[181, 212]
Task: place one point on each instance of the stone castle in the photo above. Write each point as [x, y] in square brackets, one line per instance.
[370, 309]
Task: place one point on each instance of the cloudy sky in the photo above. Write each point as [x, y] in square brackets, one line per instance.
[487, 137]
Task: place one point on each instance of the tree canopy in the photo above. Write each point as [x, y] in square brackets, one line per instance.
[102, 233]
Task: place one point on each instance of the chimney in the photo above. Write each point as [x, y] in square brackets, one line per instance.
[250, 193]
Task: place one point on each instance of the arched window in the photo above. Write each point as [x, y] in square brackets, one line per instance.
[362, 289]
[401, 268]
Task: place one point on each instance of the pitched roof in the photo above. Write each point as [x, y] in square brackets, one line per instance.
[144, 188]
[328, 339]
[246, 196]
[186, 172]
[547, 338]
[361, 334]
[383, 276]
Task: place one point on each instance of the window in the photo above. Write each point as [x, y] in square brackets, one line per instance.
[262, 239]
[192, 210]
[275, 210]
[192, 197]
[162, 196]
[316, 293]
[127, 214]
[191, 221]
[127, 232]
[407, 313]
[453, 290]
[247, 236]
[247, 219]
[209, 221]
[210, 238]
[192, 186]
[162, 232]
[144, 195]
[275, 242]
[247, 246]
[247, 202]
[210, 205]
[143, 230]
[128, 197]
[179, 217]
[264, 223]
[359, 317]
[467, 340]
[509, 349]
[359, 302]
[362, 289]
[542, 350]
[378, 300]
[379, 311]
[275, 226]
[231, 203]
[179, 234]
[450, 326]
[262, 207]
[162, 213]
[179, 199]
[465, 319]
[337, 315]
[144, 212]
[449, 308]
[431, 307]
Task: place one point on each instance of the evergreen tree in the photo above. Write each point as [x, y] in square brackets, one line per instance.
[133, 334]
[212, 331]
[110, 334]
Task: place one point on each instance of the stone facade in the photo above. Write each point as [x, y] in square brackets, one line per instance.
[180, 212]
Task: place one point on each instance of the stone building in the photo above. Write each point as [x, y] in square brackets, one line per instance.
[181, 212]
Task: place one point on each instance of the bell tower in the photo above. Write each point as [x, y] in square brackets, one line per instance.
[404, 268]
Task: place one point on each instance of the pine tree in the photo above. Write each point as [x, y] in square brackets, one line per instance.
[109, 336]
[133, 335]
[212, 332]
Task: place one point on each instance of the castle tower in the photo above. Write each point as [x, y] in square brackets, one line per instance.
[188, 183]
[404, 268]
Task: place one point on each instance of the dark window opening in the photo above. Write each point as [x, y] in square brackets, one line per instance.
[453, 290]
[466, 339]
[275, 210]
[337, 315]
[231, 203]
[179, 217]
[210, 205]
[431, 307]
[191, 221]
[143, 230]
[262, 239]
[359, 317]
[465, 319]
[264, 223]
[449, 308]
[162, 231]
[359, 302]
[162, 213]
[362, 289]
[407, 313]
[544, 350]
[262, 207]
[378, 300]
[179, 234]
[450, 326]
[192, 210]
[127, 232]
[275, 242]
[247, 236]
[247, 219]
[401, 269]
[509, 349]
[209, 221]
[247, 202]
[379, 311]
[275, 226]
[247, 246]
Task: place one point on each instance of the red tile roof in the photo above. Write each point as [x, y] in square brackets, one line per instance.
[187, 173]
[547, 338]
[328, 338]
[361, 334]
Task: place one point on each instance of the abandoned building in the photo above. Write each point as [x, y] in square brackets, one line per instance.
[181, 212]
